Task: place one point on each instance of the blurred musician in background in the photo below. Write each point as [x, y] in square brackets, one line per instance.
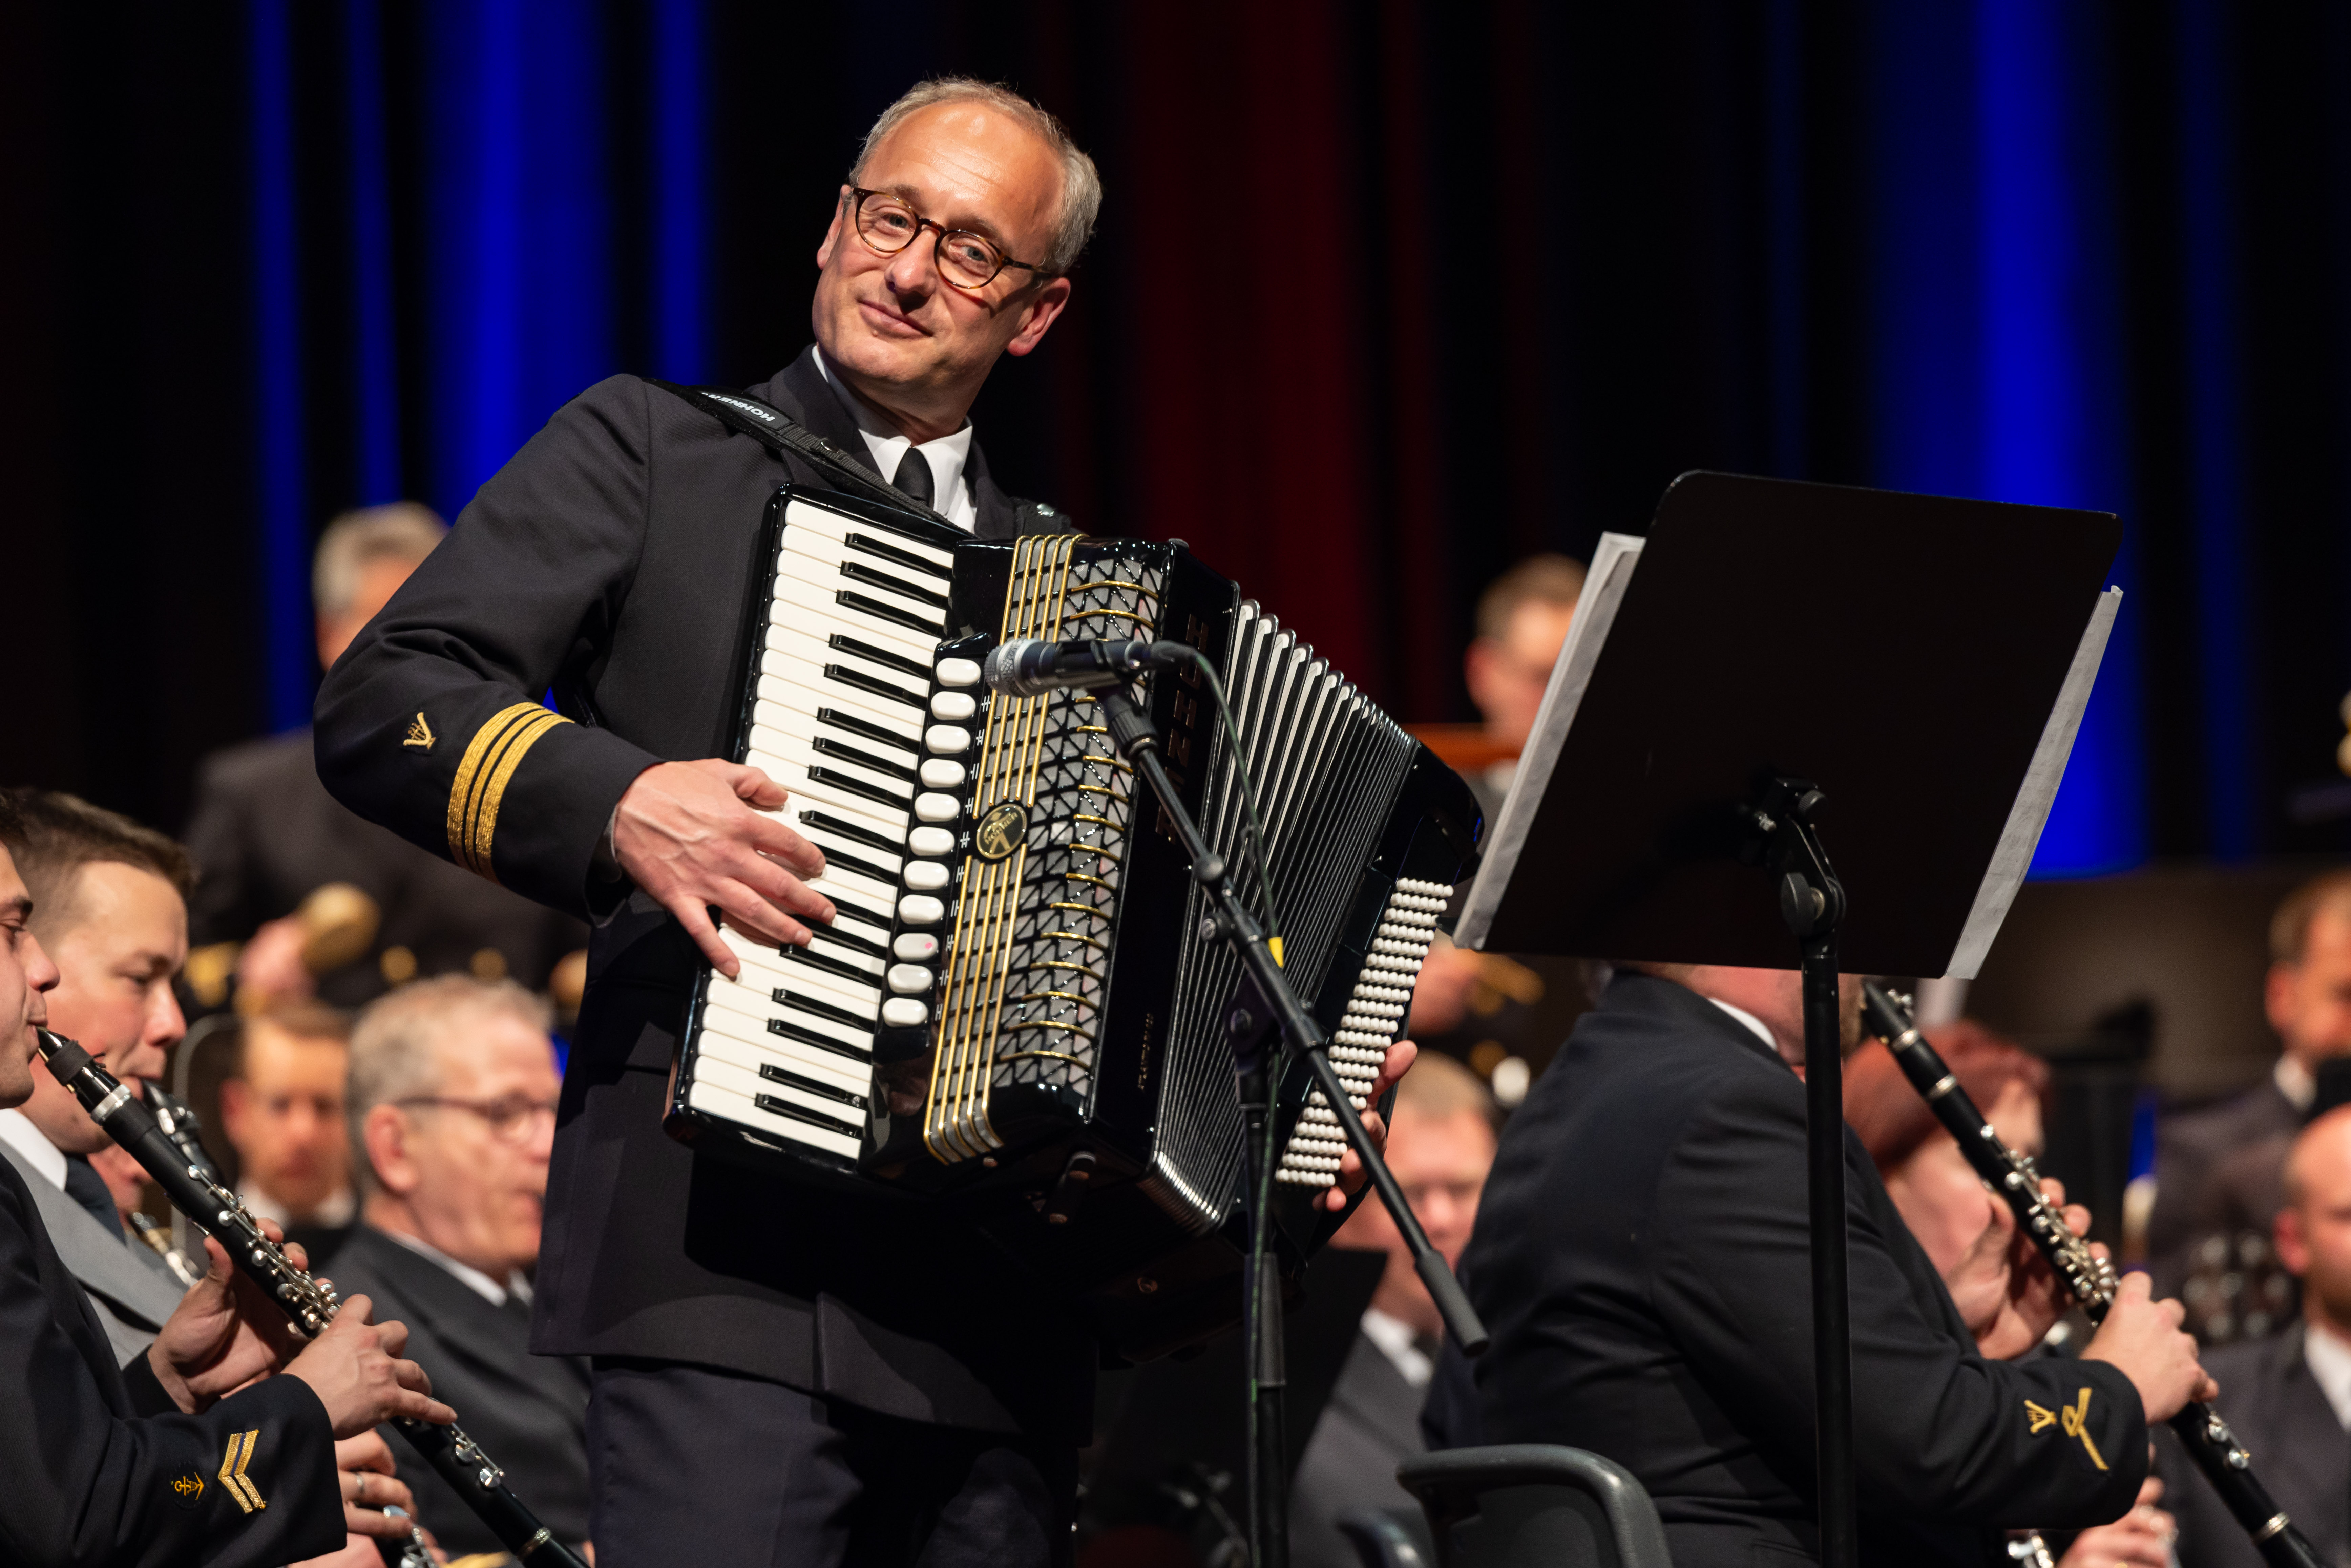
[1970, 1236]
[108, 905]
[2219, 1171]
[1440, 1147]
[781, 1373]
[1503, 1014]
[282, 1110]
[453, 1091]
[1643, 1259]
[2288, 1395]
[265, 834]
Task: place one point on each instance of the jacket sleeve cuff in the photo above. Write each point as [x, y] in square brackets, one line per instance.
[531, 803]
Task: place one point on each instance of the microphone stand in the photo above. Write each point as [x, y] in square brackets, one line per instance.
[1264, 1004]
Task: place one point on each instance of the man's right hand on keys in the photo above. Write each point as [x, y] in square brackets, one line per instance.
[354, 1369]
[2143, 1337]
[695, 835]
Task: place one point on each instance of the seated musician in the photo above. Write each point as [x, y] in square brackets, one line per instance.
[452, 1106]
[1971, 1236]
[781, 1373]
[170, 1457]
[1642, 1258]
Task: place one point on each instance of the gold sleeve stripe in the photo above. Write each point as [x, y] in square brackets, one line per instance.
[483, 774]
[232, 1472]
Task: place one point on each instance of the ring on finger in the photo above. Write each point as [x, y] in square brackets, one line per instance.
[358, 1486]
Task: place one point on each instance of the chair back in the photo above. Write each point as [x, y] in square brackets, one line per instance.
[1387, 1537]
[1528, 1505]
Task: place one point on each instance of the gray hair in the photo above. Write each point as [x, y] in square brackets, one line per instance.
[1081, 191]
[404, 531]
[395, 1049]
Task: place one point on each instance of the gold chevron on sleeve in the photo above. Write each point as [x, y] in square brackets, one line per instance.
[483, 774]
[232, 1472]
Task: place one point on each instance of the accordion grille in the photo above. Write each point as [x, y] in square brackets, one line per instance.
[1021, 997]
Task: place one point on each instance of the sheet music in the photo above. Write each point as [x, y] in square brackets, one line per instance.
[2013, 858]
[1605, 582]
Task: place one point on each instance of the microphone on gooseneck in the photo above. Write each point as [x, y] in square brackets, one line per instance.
[1026, 667]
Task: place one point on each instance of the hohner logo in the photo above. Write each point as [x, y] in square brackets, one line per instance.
[1002, 831]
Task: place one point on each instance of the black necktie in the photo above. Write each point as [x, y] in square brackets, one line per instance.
[87, 1189]
[915, 478]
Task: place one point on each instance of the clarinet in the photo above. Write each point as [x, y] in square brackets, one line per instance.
[201, 1196]
[2089, 1278]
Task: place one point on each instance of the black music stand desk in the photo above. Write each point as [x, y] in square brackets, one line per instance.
[1922, 661]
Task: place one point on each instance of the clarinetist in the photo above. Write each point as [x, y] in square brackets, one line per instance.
[1641, 1256]
[159, 1461]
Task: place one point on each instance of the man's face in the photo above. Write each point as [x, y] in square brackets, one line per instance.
[1441, 1163]
[473, 1173]
[1506, 675]
[2310, 1002]
[119, 936]
[285, 1115]
[2314, 1233]
[26, 975]
[889, 325]
[379, 580]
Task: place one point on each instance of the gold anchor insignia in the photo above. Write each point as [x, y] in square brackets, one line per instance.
[188, 1490]
[232, 1472]
[2077, 1425]
[420, 734]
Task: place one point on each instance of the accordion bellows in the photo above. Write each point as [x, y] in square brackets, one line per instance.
[1019, 1009]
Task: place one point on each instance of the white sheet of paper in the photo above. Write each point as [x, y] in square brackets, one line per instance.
[2014, 857]
[1605, 582]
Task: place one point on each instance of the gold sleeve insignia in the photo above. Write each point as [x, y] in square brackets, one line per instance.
[187, 1491]
[2077, 1425]
[488, 765]
[232, 1472]
[420, 734]
[2041, 1420]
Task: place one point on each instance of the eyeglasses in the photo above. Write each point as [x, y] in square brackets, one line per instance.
[966, 259]
[511, 1118]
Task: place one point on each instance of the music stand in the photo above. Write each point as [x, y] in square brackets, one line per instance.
[1793, 667]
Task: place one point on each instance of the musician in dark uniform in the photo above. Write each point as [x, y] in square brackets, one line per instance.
[148, 1463]
[781, 1373]
[1642, 1257]
[265, 834]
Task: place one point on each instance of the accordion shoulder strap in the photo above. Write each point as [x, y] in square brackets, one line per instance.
[772, 428]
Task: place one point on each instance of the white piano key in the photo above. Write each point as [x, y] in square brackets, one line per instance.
[806, 725]
[823, 599]
[831, 842]
[816, 655]
[792, 748]
[805, 688]
[753, 1015]
[817, 546]
[764, 969]
[891, 655]
[794, 777]
[731, 1105]
[726, 1041]
[808, 520]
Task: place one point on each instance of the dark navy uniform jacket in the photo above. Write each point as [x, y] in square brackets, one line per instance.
[101, 1467]
[1642, 1257]
[609, 561]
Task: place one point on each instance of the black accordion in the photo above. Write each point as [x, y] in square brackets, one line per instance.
[1018, 1010]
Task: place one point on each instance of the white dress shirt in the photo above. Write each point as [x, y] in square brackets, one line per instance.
[2329, 1360]
[1394, 1336]
[1762, 1031]
[946, 455]
[331, 1215]
[473, 1278]
[17, 1130]
[2296, 1081]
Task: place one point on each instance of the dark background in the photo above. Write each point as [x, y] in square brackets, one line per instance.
[1386, 295]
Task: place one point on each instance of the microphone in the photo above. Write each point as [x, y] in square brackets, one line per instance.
[1026, 667]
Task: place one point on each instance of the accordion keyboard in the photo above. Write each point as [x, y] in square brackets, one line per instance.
[847, 720]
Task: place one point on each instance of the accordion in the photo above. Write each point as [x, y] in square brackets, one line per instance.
[1020, 1008]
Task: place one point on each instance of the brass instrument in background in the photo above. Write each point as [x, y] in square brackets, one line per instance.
[339, 925]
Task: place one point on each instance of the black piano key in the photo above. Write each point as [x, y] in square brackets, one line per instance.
[858, 572]
[842, 720]
[807, 1085]
[787, 1029]
[862, 682]
[780, 1106]
[827, 745]
[820, 1008]
[929, 626]
[832, 965]
[834, 778]
[907, 559]
[855, 832]
[882, 656]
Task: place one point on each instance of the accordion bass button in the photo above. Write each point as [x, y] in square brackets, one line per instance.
[947, 740]
[932, 841]
[940, 774]
[957, 672]
[925, 877]
[905, 1012]
[952, 706]
[921, 909]
[936, 808]
[915, 948]
[906, 979]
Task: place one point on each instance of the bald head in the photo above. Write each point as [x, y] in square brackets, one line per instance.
[2313, 1229]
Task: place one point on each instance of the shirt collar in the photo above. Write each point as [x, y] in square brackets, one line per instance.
[1395, 1338]
[2296, 1081]
[948, 455]
[1762, 1031]
[2329, 1360]
[473, 1278]
[331, 1215]
[17, 1131]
